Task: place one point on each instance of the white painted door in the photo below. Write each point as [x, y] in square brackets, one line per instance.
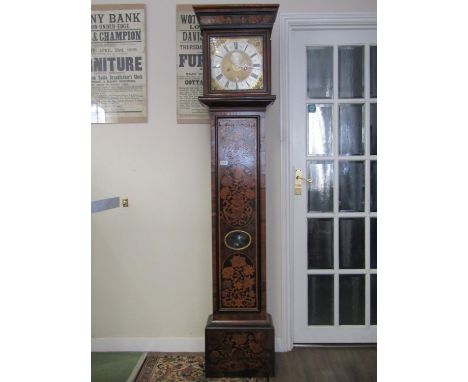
[333, 112]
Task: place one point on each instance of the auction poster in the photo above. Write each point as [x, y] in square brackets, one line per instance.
[189, 67]
[118, 63]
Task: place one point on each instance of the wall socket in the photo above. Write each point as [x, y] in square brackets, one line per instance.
[124, 202]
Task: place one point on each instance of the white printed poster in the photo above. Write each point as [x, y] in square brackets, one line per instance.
[118, 63]
[189, 67]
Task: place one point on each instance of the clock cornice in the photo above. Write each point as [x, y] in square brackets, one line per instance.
[254, 16]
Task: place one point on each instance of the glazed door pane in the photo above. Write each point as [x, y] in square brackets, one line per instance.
[352, 129]
[373, 128]
[352, 186]
[320, 304]
[352, 300]
[373, 243]
[373, 71]
[320, 129]
[352, 243]
[320, 72]
[320, 243]
[373, 299]
[373, 186]
[351, 71]
[321, 189]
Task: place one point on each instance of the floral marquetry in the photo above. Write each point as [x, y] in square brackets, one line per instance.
[242, 351]
[237, 196]
[237, 145]
[238, 283]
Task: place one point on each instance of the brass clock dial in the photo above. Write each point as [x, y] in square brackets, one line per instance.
[236, 63]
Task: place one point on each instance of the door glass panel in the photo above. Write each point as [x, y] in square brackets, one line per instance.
[373, 71]
[319, 129]
[373, 243]
[373, 186]
[320, 192]
[351, 71]
[352, 299]
[351, 186]
[373, 299]
[352, 133]
[320, 72]
[373, 128]
[352, 243]
[320, 299]
[320, 243]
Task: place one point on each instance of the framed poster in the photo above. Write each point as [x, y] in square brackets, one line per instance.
[189, 67]
[118, 63]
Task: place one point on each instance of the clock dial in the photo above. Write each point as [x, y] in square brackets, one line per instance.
[236, 63]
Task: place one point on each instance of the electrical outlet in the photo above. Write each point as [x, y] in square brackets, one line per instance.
[124, 202]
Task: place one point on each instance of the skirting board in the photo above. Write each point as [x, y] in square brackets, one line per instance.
[157, 344]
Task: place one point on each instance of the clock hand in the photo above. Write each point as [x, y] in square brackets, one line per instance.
[241, 67]
[248, 66]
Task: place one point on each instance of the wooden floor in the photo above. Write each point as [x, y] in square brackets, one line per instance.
[324, 364]
[327, 364]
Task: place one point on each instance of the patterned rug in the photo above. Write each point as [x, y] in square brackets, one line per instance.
[180, 368]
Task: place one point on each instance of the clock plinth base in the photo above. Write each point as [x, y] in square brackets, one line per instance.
[244, 349]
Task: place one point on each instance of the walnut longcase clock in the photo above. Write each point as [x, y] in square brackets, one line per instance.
[239, 335]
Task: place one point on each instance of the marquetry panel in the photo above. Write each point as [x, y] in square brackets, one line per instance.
[238, 183]
[248, 350]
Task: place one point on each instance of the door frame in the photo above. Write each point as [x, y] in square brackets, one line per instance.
[290, 22]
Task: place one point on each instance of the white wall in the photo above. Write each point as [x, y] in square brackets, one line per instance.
[151, 262]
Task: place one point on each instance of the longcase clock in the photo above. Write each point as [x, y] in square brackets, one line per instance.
[239, 335]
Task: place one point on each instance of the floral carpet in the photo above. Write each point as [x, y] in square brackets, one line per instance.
[180, 368]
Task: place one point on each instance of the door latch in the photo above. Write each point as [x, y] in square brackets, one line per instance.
[298, 182]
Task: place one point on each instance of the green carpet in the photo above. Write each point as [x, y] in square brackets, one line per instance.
[112, 367]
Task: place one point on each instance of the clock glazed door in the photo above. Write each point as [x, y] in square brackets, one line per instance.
[334, 98]
[236, 63]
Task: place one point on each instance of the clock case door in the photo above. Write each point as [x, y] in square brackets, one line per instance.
[207, 86]
[238, 205]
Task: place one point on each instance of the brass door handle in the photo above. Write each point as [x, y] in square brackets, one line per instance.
[307, 180]
[298, 182]
[299, 176]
